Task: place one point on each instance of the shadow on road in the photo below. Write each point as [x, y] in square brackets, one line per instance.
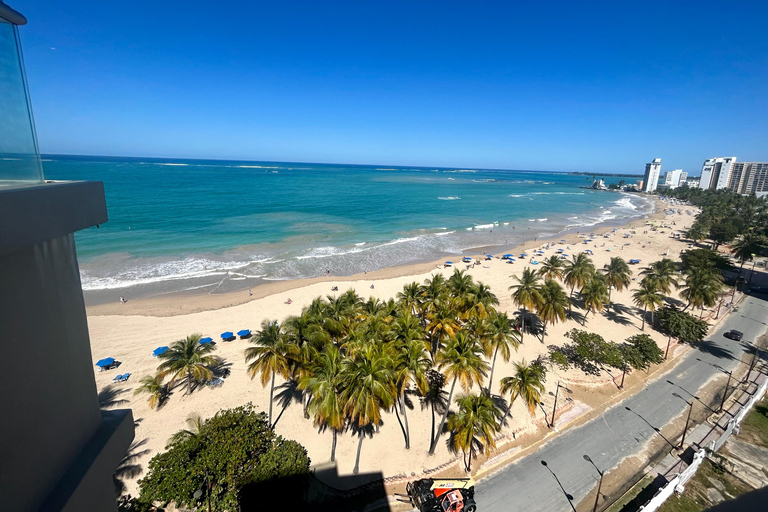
[567, 496]
[656, 429]
[709, 347]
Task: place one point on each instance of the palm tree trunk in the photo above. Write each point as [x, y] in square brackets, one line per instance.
[405, 420]
[271, 391]
[402, 428]
[493, 365]
[442, 421]
[644, 310]
[543, 332]
[356, 469]
[570, 299]
[623, 374]
[609, 297]
[189, 382]
[585, 317]
[522, 326]
[333, 446]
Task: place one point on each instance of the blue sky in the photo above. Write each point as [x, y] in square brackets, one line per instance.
[574, 86]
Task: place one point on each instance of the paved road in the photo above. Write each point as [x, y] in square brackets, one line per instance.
[529, 486]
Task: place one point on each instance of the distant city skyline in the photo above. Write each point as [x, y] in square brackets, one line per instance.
[604, 88]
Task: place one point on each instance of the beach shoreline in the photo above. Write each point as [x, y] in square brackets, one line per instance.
[130, 332]
[172, 303]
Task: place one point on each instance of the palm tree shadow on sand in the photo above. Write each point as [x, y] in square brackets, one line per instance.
[289, 393]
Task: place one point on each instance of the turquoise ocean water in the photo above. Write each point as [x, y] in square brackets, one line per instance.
[220, 225]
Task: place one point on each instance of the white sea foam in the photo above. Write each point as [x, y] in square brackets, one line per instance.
[176, 165]
[516, 195]
[449, 198]
[484, 226]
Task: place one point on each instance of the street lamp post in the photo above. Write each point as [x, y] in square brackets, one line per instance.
[725, 391]
[669, 341]
[599, 485]
[687, 420]
[751, 365]
[554, 407]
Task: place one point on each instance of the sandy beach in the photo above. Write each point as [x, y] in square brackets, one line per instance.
[130, 332]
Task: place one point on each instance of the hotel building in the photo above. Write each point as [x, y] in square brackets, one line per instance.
[58, 449]
[652, 172]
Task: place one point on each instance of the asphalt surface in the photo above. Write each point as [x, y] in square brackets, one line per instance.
[529, 486]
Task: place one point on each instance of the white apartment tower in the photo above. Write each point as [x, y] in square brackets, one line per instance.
[716, 172]
[673, 179]
[651, 179]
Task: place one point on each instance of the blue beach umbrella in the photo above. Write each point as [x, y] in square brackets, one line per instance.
[449, 263]
[159, 351]
[107, 361]
[244, 332]
[205, 341]
[506, 256]
[523, 255]
[226, 335]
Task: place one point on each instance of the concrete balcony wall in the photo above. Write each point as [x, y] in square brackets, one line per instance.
[56, 444]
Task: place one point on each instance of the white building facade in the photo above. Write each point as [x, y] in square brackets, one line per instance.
[716, 172]
[652, 172]
[672, 179]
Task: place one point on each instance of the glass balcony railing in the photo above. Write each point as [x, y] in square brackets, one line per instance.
[19, 155]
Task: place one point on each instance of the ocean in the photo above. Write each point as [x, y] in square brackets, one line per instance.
[217, 226]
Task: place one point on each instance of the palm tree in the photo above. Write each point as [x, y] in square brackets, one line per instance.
[463, 361]
[648, 297]
[594, 294]
[617, 275]
[324, 385]
[526, 293]
[460, 284]
[578, 272]
[194, 423]
[441, 323]
[698, 231]
[552, 268]
[154, 387]
[411, 297]
[749, 244]
[551, 307]
[411, 364]
[368, 389]
[188, 359]
[663, 273]
[434, 291]
[270, 357]
[502, 337]
[483, 300]
[527, 382]
[702, 288]
[473, 427]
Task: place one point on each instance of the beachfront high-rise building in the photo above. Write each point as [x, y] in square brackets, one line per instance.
[716, 172]
[672, 179]
[683, 178]
[58, 449]
[749, 178]
[652, 172]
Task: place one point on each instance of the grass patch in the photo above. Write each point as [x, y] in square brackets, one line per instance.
[631, 495]
[754, 428]
[695, 499]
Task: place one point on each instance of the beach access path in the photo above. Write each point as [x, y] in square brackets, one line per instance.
[618, 433]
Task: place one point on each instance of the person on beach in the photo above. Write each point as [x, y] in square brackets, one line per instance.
[249, 293]
[122, 300]
[288, 301]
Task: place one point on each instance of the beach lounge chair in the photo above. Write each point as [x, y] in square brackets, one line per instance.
[124, 377]
[118, 378]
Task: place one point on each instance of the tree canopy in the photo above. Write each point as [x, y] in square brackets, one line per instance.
[232, 450]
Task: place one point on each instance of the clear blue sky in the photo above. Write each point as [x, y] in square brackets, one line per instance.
[581, 86]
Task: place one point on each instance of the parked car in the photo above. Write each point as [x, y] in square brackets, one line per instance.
[734, 335]
[759, 289]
